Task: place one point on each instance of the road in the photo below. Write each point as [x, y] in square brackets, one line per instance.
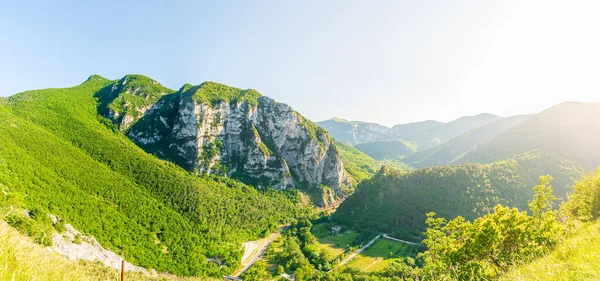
[399, 240]
[254, 250]
[349, 258]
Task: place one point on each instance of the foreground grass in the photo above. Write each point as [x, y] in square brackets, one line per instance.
[380, 255]
[21, 259]
[578, 258]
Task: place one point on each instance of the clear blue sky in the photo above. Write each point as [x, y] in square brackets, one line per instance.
[382, 61]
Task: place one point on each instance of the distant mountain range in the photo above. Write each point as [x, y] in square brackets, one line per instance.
[381, 142]
[495, 163]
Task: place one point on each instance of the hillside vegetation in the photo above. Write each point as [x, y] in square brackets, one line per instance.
[396, 202]
[358, 165]
[58, 156]
[393, 149]
[576, 258]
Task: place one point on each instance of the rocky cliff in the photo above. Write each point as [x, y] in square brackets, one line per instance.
[215, 129]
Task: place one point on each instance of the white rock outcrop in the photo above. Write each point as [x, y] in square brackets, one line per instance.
[259, 141]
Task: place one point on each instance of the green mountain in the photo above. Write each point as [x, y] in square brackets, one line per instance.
[393, 149]
[571, 129]
[353, 132]
[403, 131]
[358, 165]
[59, 156]
[452, 150]
[381, 142]
[212, 128]
[440, 134]
[397, 202]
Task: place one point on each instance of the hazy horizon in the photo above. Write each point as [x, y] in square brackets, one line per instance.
[390, 62]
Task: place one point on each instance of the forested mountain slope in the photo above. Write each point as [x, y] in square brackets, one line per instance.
[390, 149]
[395, 201]
[571, 129]
[216, 129]
[57, 155]
[452, 150]
[358, 165]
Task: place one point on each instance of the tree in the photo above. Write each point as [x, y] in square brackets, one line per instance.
[543, 198]
[584, 203]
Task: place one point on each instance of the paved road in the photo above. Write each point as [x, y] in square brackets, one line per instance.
[349, 258]
[399, 240]
[256, 250]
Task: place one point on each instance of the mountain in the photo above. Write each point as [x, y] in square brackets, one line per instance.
[353, 132]
[359, 165]
[216, 129]
[397, 202]
[391, 149]
[401, 140]
[403, 131]
[452, 150]
[59, 156]
[571, 129]
[440, 134]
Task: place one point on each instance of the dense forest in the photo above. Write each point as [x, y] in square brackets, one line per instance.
[397, 202]
[58, 156]
[495, 246]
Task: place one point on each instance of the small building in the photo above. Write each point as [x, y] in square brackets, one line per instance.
[231, 278]
[336, 229]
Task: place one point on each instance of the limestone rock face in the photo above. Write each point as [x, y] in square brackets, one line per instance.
[128, 99]
[216, 129]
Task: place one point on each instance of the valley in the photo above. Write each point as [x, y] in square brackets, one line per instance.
[198, 182]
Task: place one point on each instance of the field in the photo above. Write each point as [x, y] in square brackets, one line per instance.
[332, 244]
[380, 254]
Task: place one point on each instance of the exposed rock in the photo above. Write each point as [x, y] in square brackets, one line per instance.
[127, 100]
[216, 129]
[72, 244]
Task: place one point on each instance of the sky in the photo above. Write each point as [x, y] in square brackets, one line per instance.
[389, 62]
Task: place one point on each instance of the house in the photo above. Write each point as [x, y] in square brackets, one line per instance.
[336, 229]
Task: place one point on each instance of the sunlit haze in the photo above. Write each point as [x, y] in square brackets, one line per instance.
[388, 62]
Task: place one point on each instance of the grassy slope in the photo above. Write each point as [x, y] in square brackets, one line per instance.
[574, 259]
[57, 155]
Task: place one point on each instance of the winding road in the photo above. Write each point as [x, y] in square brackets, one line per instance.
[254, 250]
